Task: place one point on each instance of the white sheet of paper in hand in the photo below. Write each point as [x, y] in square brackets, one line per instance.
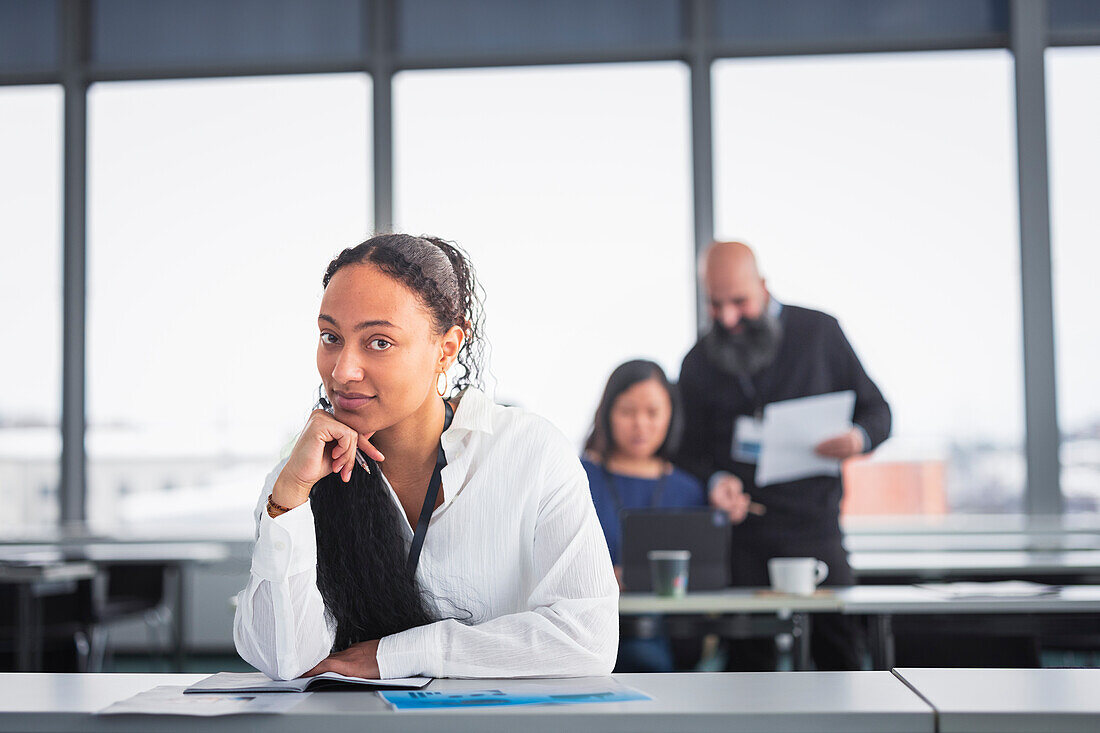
[792, 428]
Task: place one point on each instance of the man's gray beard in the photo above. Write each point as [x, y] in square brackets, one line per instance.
[745, 353]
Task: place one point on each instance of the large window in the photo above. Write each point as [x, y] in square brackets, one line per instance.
[881, 188]
[30, 301]
[570, 187]
[214, 209]
[1074, 121]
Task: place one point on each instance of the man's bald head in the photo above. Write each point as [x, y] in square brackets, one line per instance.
[734, 287]
[730, 254]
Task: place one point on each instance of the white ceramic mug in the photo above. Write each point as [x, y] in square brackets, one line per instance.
[797, 575]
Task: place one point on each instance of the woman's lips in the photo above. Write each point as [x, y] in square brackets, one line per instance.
[351, 403]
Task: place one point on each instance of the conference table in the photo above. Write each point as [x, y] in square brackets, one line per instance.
[31, 584]
[770, 702]
[1009, 700]
[1066, 609]
[951, 565]
[101, 553]
[733, 613]
[900, 701]
[1019, 542]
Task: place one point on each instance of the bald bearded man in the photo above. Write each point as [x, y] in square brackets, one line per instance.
[760, 351]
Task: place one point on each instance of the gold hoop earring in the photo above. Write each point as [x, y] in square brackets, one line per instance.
[442, 391]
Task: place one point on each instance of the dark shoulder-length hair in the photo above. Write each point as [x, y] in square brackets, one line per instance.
[624, 377]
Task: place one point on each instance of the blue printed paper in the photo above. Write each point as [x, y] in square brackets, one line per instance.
[503, 696]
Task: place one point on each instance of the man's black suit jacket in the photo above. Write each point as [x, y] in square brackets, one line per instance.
[814, 357]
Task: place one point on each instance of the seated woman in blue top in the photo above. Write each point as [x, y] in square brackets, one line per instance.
[636, 429]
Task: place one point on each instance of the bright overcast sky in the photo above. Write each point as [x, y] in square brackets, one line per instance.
[878, 187]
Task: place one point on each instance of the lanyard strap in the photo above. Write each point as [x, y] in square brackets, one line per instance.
[430, 497]
[612, 488]
[752, 394]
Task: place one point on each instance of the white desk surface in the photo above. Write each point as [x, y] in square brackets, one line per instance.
[747, 600]
[1010, 700]
[769, 702]
[50, 573]
[80, 533]
[117, 552]
[970, 524]
[999, 563]
[860, 599]
[972, 542]
[910, 599]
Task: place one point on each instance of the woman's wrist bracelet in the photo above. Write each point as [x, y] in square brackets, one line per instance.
[274, 509]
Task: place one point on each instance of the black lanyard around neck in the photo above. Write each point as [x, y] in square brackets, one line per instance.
[612, 488]
[430, 497]
[752, 394]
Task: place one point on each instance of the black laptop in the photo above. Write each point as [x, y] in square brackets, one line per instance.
[705, 532]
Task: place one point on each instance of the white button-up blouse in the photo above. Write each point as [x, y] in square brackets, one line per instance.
[515, 545]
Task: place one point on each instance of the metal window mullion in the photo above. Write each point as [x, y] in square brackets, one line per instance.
[383, 27]
[1028, 43]
[73, 487]
[698, 23]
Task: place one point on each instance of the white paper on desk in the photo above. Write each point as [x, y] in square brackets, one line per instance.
[170, 700]
[994, 589]
[792, 428]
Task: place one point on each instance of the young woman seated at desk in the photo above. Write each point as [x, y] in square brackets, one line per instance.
[635, 430]
[418, 528]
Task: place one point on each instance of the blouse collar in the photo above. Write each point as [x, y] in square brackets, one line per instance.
[474, 413]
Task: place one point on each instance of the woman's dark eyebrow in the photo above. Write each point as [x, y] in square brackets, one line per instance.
[361, 326]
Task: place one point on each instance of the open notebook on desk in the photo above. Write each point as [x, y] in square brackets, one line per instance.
[260, 682]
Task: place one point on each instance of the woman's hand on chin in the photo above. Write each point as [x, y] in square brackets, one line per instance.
[358, 660]
[325, 446]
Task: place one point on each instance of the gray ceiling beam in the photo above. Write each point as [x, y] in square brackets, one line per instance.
[1075, 37]
[824, 47]
[207, 71]
[663, 52]
[29, 77]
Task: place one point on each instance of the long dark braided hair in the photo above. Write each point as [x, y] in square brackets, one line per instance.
[362, 571]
